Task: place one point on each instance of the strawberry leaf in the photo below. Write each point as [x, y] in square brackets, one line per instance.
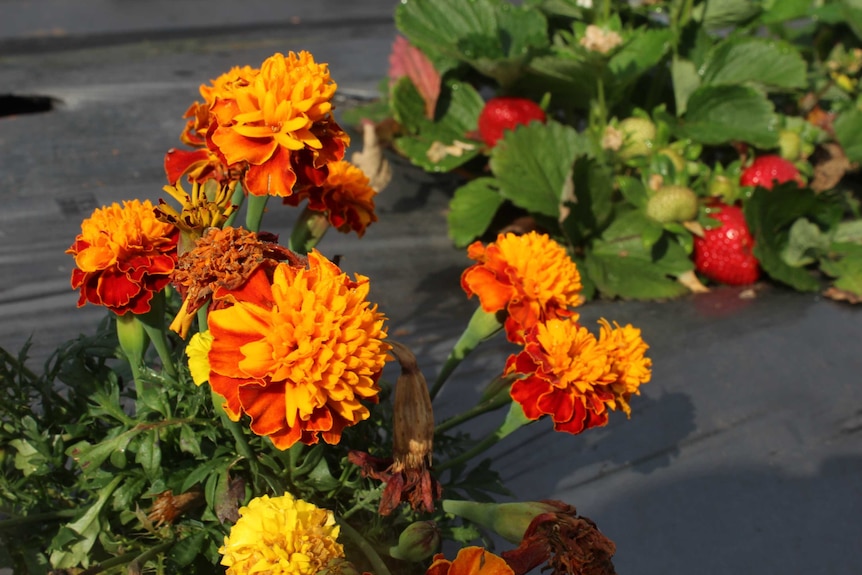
[848, 131]
[752, 60]
[407, 60]
[844, 262]
[493, 36]
[621, 264]
[589, 205]
[721, 114]
[472, 209]
[533, 163]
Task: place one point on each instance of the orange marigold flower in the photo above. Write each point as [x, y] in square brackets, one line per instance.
[625, 348]
[346, 197]
[529, 276]
[280, 123]
[566, 374]
[297, 350]
[123, 256]
[470, 561]
[222, 259]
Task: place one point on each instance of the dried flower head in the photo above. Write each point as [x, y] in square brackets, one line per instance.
[279, 123]
[298, 349]
[222, 258]
[346, 197]
[612, 139]
[529, 276]
[167, 506]
[281, 536]
[598, 39]
[123, 256]
[567, 542]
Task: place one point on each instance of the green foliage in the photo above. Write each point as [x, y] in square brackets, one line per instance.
[721, 82]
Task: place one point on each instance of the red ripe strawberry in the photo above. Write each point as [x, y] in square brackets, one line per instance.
[766, 170]
[504, 113]
[724, 253]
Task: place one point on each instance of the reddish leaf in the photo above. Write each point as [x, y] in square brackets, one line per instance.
[407, 60]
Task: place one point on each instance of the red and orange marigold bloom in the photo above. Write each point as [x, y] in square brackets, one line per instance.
[123, 256]
[346, 197]
[298, 349]
[280, 124]
[529, 276]
[626, 350]
[470, 561]
[569, 375]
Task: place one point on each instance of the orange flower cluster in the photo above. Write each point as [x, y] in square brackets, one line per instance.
[298, 349]
[566, 373]
[272, 127]
[530, 277]
[470, 561]
[123, 256]
[346, 197]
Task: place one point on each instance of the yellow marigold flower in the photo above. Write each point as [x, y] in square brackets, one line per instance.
[281, 536]
[530, 276]
[626, 349]
[208, 206]
[280, 123]
[198, 351]
[346, 197]
[297, 349]
[123, 256]
[566, 374]
[470, 561]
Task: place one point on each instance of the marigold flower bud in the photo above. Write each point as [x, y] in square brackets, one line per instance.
[508, 520]
[417, 542]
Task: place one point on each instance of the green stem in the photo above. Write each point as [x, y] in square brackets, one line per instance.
[515, 419]
[379, 566]
[154, 326]
[203, 324]
[308, 230]
[491, 404]
[236, 432]
[17, 522]
[483, 325]
[236, 199]
[128, 558]
[255, 208]
[17, 365]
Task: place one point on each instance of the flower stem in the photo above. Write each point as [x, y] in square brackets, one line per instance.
[255, 208]
[308, 230]
[239, 437]
[17, 522]
[154, 325]
[379, 566]
[515, 419]
[128, 558]
[483, 325]
[495, 402]
[236, 199]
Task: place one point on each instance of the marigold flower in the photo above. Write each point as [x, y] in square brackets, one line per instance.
[297, 349]
[625, 348]
[123, 256]
[280, 123]
[530, 276]
[566, 375]
[222, 258]
[281, 536]
[346, 197]
[470, 561]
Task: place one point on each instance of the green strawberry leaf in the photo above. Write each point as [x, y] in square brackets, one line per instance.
[751, 60]
[472, 209]
[770, 215]
[643, 50]
[721, 114]
[726, 13]
[493, 36]
[848, 131]
[622, 265]
[533, 163]
[685, 81]
[844, 262]
[805, 243]
[444, 144]
[587, 205]
[786, 10]
[848, 232]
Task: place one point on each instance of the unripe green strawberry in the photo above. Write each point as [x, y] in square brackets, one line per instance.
[789, 145]
[638, 137]
[672, 204]
[679, 163]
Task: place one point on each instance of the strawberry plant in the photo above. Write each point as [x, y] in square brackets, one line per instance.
[636, 102]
